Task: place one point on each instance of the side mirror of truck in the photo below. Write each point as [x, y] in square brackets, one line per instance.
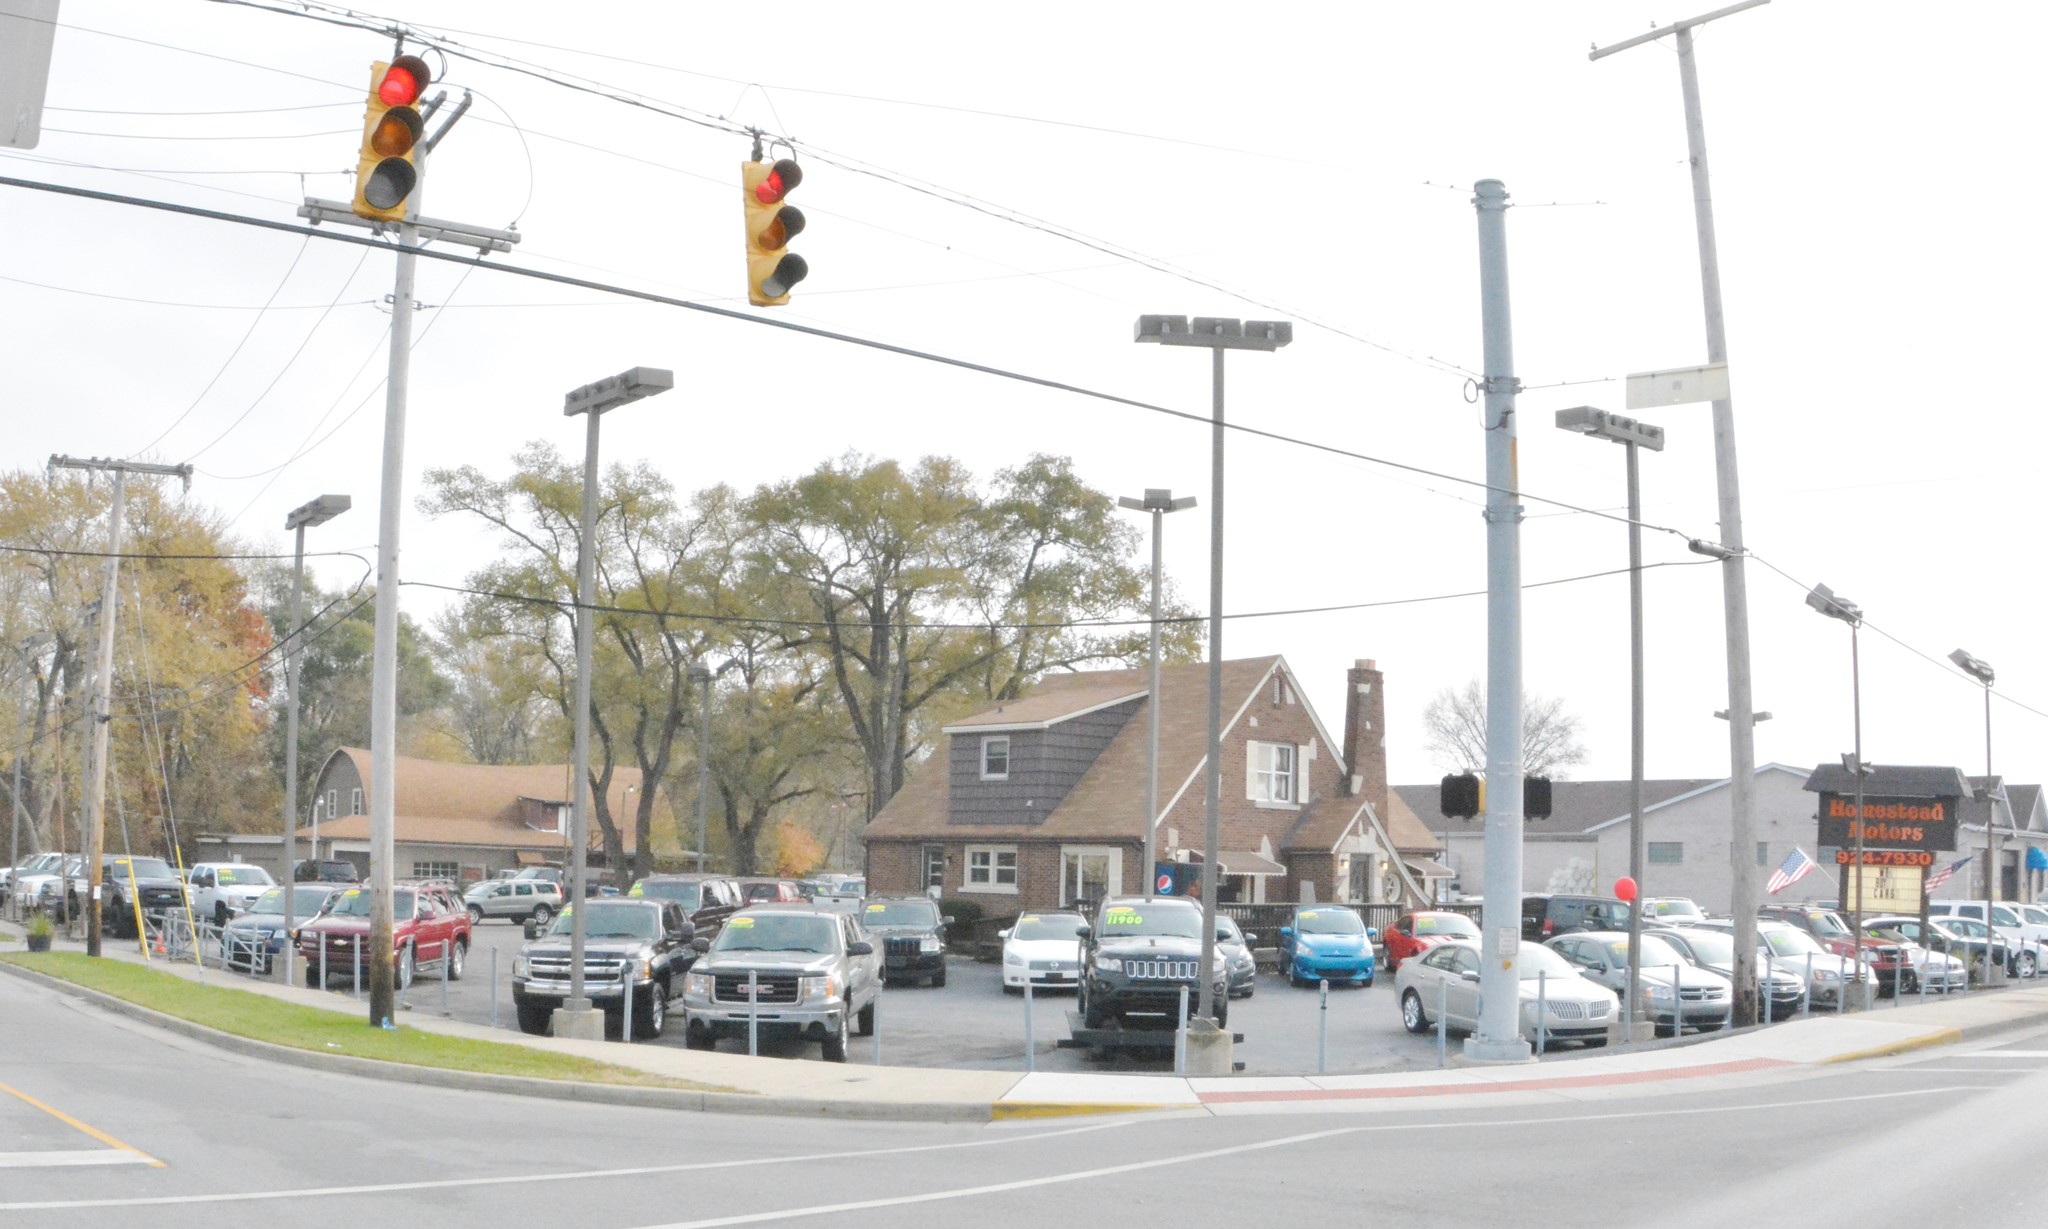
[700, 945]
[860, 947]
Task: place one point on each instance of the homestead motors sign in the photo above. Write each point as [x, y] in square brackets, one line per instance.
[1909, 813]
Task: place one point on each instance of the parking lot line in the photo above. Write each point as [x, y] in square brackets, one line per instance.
[73, 1157]
[135, 1155]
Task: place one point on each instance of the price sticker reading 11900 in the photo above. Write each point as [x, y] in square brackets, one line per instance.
[1886, 857]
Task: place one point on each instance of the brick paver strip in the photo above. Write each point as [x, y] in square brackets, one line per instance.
[1450, 1090]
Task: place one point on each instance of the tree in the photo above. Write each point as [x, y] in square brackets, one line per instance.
[1454, 727]
[797, 851]
[498, 708]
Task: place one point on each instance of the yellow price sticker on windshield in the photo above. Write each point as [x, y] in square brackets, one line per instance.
[1029, 917]
[740, 923]
[877, 908]
[1306, 913]
[352, 893]
[1122, 915]
[636, 891]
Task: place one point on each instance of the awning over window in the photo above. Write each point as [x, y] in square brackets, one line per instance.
[1425, 868]
[529, 857]
[1242, 862]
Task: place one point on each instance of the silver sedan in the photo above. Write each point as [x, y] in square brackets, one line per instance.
[1445, 980]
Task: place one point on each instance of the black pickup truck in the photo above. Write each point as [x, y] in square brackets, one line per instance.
[631, 948]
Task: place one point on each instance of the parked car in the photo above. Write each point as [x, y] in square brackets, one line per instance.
[911, 934]
[126, 881]
[1968, 938]
[1327, 942]
[641, 946]
[1671, 911]
[1574, 1008]
[1136, 956]
[1238, 962]
[1828, 977]
[1833, 934]
[1415, 933]
[1546, 914]
[771, 891]
[1676, 993]
[814, 975]
[1929, 968]
[1783, 991]
[1043, 949]
[707, 900]
[2020, 934]
[516, 900]
[330, 870]
[428, 926]
[254, 937]
[220, 890]
[34, 864]
[53, 885]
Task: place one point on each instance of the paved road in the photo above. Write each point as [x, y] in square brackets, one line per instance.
[161, 1131]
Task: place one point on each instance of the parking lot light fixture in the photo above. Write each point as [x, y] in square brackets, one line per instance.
[1158, 501]
[1834, 606]
[1994, 790]
[298, 520]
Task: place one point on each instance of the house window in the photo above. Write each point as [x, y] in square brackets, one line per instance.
[433, 870]
[1667, 853]
[991, 868]
[1763, 853]
[355, 802]
[333, 802]
[995, 757]
[1273, 768]
[1089, 872]
[935, 867]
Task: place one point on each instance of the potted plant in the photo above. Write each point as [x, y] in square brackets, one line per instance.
[39, 929]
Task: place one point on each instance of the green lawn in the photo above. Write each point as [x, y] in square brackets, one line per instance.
[311, 1028]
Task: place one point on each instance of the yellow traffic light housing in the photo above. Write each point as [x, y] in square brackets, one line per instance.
[771, 268]
[387, 170]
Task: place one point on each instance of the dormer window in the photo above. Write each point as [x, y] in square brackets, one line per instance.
[995, 757]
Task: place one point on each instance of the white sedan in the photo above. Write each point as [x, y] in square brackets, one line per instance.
[1044, 949]
[1446, 979]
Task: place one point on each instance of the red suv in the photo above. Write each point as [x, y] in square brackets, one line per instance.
[1828, 929]
[1417, 932]
[428, 926]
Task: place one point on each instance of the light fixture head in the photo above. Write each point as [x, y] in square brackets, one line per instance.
[318, 511]
[1975, 667]
[1827, 602]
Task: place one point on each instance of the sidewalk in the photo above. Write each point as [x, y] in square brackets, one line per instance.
[815, 1089]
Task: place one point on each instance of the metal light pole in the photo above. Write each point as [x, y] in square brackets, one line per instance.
[1734, 584]
[1631, 435]
[26, 652]
[1827, 602]
[1158, 502]
[576, 1017]
[1218, 335]
[1981, 671]
[315, 512]
[700, 678]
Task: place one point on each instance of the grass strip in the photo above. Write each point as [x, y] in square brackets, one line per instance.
[263, 1018]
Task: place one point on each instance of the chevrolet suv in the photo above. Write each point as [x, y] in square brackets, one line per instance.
[428, 927]
[1137, 954]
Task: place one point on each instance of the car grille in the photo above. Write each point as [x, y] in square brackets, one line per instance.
[1160, 970]
[1054, 966]
[157, 898]
[1571, 1009]
[557, 968]
[1701, 993]
[774, 988]
[900, 951]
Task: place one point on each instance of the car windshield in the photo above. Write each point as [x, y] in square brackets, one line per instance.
[1153, 918]
[356, 903]
[1456, 924]
[2034, 914]
[143, 868]
[1795, 943]
[242, 876]
[900, 913]
[305, 903]
[1035, 926]
[1712, 947]
[777, 932]
[667, 889]
[1655, 952]
[610, 920]
[1826, 923]
[1673, 908]
[1534, 960]
[1968, 927]
[1331, 921]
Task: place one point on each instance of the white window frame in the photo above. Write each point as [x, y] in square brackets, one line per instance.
[1069, 882]
[987, 862]
[1665, 848]
[988, 741]
[431, 868]
[355, 802]
[1261, 777]
[333, 803]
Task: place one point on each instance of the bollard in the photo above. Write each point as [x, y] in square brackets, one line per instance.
[753, 1012]
[626, 1005]
[1542, 1001]
[447, 957]
[356, 974]
[323, 962]
[875, 1027]
[494, 987]
[1677, 1006]
[1030, 1049]
[1806, 991]
[1323, 1027]
[1180, 1036]
[1442, 1055]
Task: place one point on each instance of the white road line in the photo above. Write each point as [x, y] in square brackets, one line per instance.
[55, 1160]
[2003, 1054]
[514, 1179]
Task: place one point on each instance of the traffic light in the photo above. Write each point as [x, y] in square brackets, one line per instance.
[1461, 796]
[386, 172]
[771, 268]
[1536, 797]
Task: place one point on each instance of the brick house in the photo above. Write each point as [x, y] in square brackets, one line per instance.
[1040, 802]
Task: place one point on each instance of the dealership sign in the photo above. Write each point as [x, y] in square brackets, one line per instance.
[1887, 823]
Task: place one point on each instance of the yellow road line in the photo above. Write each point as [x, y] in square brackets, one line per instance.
[69, 1121]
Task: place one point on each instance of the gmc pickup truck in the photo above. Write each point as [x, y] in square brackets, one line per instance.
[787, 971]
[631, 948]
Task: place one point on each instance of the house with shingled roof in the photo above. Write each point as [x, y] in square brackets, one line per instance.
[1039, 802]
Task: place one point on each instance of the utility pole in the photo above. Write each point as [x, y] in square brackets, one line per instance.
[1743, 892]
[1499, 1038]
[701, 678]
[94, 844]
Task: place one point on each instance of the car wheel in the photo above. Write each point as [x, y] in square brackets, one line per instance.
[1223, 1011]
[1366, 981]
[939, 978]
[697, 1037]
[834, 1049]
[476, 915]
[1412, 1016]
[533, 1020]
[1013, 989]
[313, 976]
[1091, 1015]
[1287, 968]
[220, 913]
[650, 1017]
[542, 915]
[2029, 964]
[402, 972]
[458, 956]
[864, 1022]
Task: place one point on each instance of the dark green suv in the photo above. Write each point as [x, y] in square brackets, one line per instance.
[1546, 915]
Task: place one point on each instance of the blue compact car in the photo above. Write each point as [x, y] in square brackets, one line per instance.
[1327, 941]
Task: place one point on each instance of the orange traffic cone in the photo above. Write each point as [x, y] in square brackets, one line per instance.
[160, 943]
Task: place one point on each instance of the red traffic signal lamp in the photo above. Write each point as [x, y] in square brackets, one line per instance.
[387, 170]
[771, 268]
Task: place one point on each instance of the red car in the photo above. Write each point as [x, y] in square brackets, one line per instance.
[1886, 960]
[428, 926]
[770, 891]
[1417, 932]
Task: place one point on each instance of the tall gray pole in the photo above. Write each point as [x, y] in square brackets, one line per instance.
[1992, 789]
[1857, 871]
[577, 1004]
[701, 677]
[384, 649]
[290, 946]
[1635, 747]
[1212, 776]
[102, 697]
[1744, 886]
[1499, 1038]
[1151, 862]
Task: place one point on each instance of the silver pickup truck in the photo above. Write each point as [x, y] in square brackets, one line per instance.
[784, 971]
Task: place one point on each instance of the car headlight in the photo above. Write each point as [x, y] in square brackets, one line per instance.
[521, 966]
[697, 985]
[930, 945]
[1108, 964]
[1826, 975]
[1012, 958]
[822, 986]
[640, 968]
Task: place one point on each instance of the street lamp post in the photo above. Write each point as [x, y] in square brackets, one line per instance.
[1981, 670]
[314, 512]
[1218, 335]
[1827, 602]
[27, 652]
[700, 678]
[1631, 435]
[1158, 502]
[576, 1018]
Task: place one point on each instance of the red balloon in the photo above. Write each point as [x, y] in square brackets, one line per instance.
[1625, 888]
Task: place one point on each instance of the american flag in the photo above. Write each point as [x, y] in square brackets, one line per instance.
[1795, 867]
[1940, 877]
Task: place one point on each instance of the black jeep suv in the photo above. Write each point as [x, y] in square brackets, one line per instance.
[1137, 955]
[911, 934]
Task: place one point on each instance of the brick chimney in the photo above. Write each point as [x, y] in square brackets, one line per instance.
[1365, 738]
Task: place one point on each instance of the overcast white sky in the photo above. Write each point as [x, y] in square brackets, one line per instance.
[1318, 159]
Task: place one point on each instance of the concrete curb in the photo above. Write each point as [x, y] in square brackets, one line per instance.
[524, 1086]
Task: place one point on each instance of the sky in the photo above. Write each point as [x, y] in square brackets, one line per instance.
[1014, 186]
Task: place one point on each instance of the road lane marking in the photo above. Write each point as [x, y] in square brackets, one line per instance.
[383, 1188]
[2004, 1054]
[69, 1121]
[60, 1160]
